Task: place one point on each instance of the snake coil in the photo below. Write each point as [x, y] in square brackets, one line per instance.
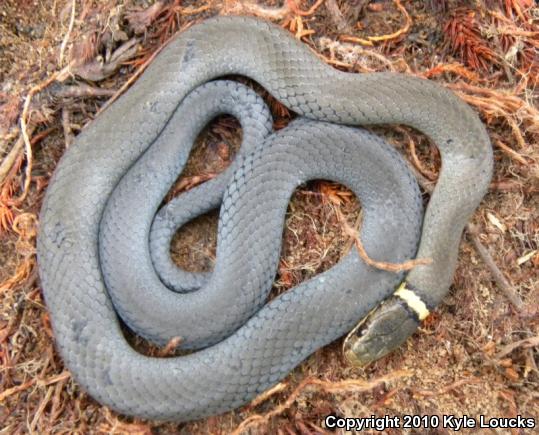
[96, 221]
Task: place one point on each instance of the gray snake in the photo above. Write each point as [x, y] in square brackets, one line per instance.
[93, 227]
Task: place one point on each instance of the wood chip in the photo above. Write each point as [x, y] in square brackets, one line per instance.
[496, 222]
[526, 257]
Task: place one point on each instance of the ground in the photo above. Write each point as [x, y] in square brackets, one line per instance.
[63, 61]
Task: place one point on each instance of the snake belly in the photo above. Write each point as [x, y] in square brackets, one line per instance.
[275, 338]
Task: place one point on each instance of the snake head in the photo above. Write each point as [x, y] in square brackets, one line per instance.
[384, 329]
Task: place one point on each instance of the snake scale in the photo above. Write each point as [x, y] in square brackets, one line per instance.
[97, 244]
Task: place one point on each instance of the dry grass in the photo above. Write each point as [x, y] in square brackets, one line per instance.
[476, 354]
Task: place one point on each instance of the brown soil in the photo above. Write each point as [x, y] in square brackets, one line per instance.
[477, 354]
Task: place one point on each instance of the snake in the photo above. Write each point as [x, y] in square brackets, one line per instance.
[104, 237]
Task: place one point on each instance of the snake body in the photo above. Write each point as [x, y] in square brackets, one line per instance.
[95, 232]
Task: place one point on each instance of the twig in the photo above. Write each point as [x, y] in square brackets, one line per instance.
[22, 274]
[426, 184]
[54, 379]
[390, 267]
[194, 11]
[190, 182]
[362, 41]
[530, 362]
[170, 347]
[13, 157]
[83, 90]
[516, 132]
[512, 186]
[399, 32]
[294, 7]
[10, 159]
[249, 8]
[140, 20]
[444, 390]
[134, 77]
[42, 383]
[116, 426]
[56, 408]
[371, 39]
[5, 139]
[270, 13]
[40, 409]
[68, 34]
[526, 343]
[503, 61]
[96, 70]
[500, 104]
[14, 390]
[347, 386]
[455, 68]
[26, 135]
[350, 53]
[281, 386]
[419, 166]
[511, 152]
[351, 240]
[498, 276]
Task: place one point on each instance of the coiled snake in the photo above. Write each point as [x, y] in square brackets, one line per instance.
[96, 221]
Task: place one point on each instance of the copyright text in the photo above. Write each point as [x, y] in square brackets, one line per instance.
[453, 422]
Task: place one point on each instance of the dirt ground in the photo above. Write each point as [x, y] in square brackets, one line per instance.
[62, 61]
